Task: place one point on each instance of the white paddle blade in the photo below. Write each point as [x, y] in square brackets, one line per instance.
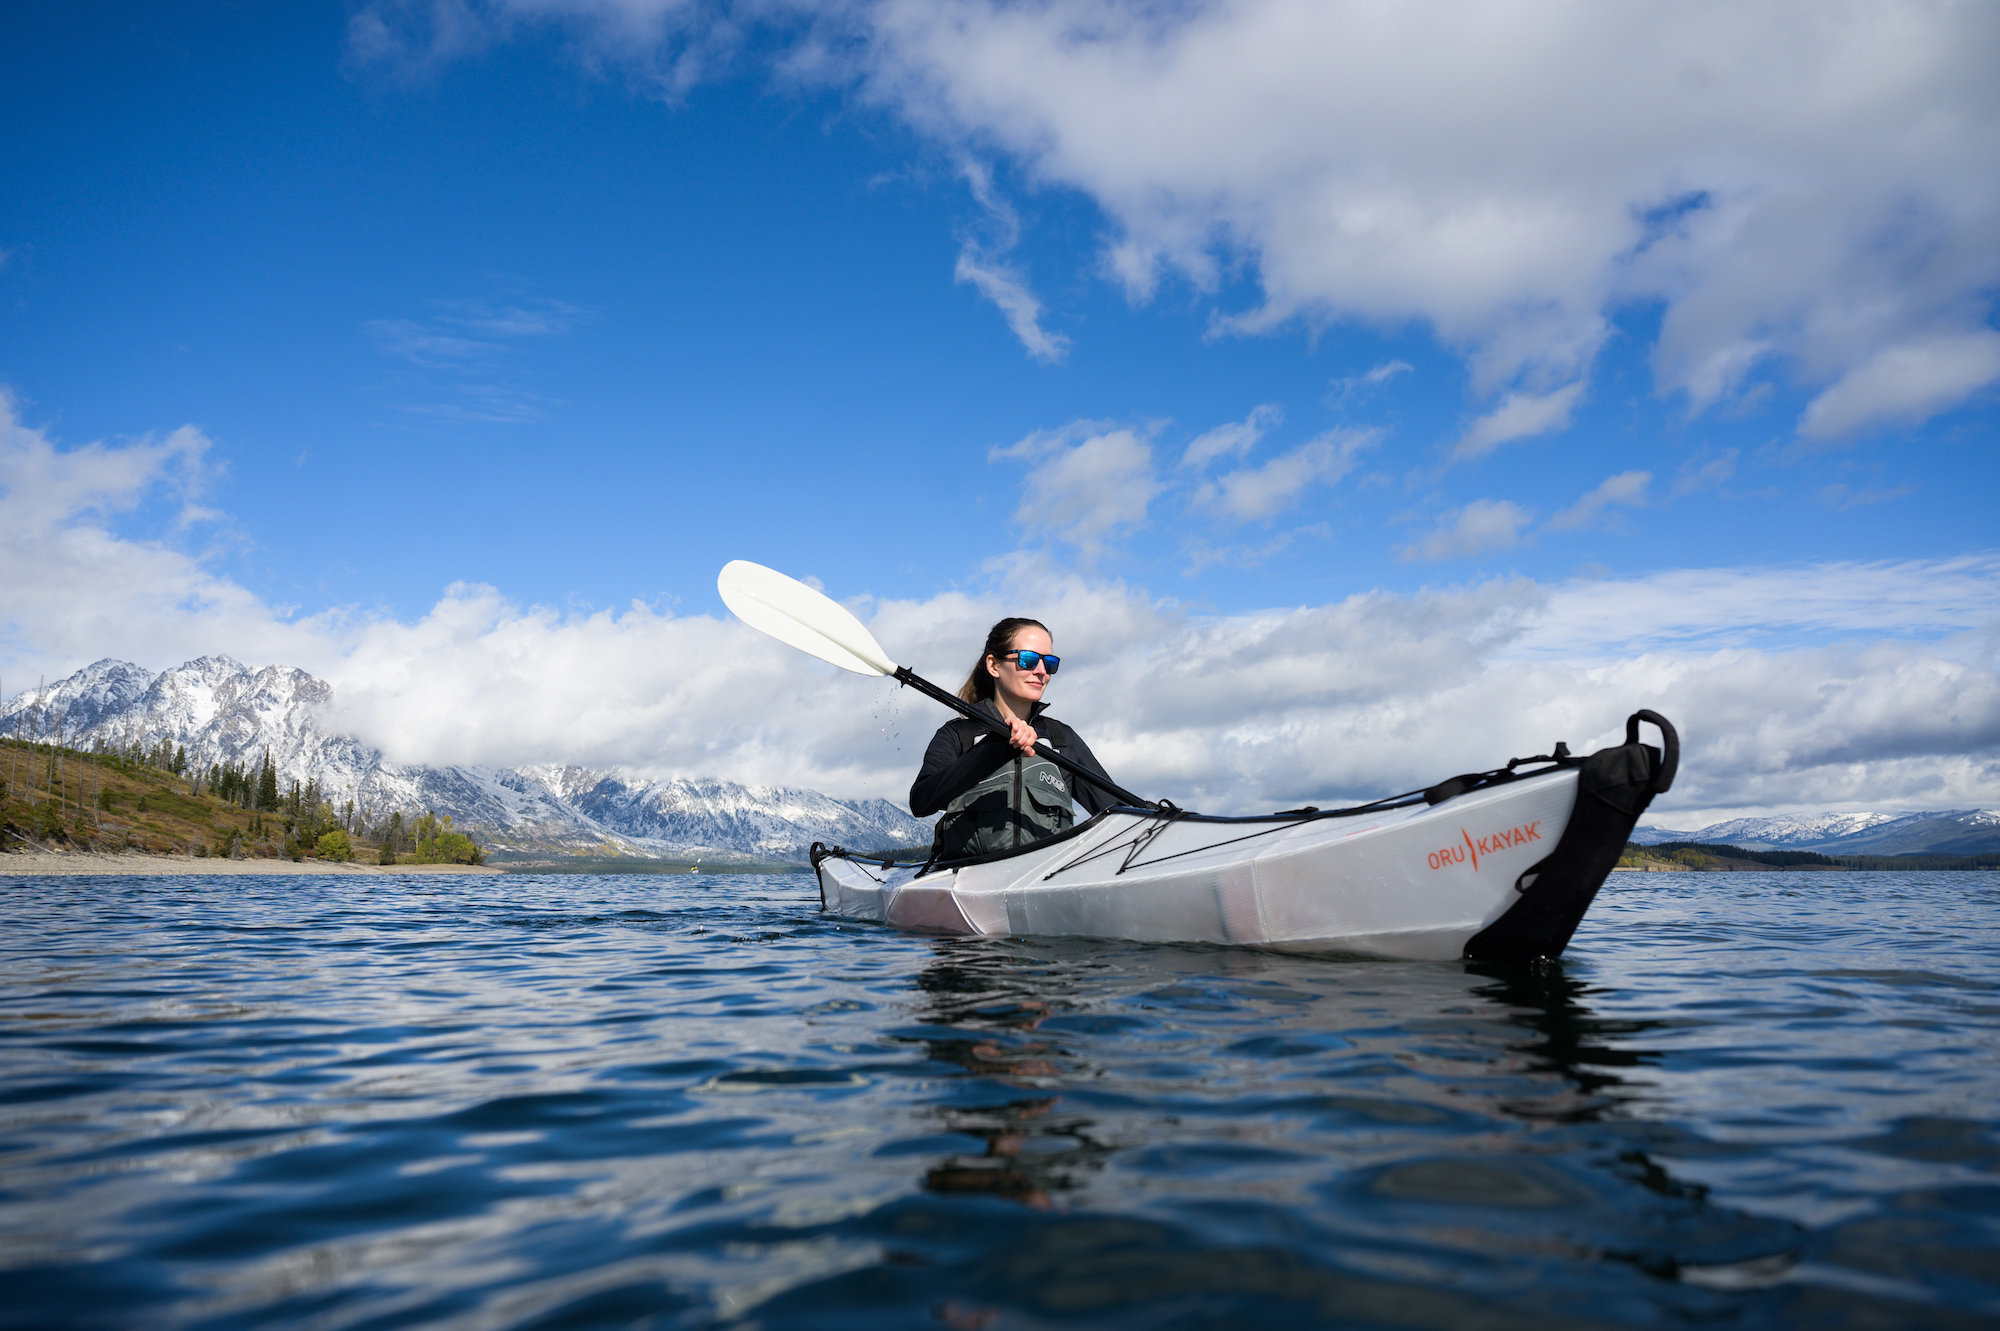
[800, 617]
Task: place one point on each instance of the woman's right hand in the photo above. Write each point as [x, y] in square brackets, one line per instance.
[1021, 735]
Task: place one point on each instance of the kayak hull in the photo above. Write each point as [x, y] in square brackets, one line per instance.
[1497, 866]
[1415, 883]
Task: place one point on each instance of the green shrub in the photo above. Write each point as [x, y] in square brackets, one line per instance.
[335, 846]
[439, 843]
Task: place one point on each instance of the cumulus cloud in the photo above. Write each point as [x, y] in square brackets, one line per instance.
[1234, 712]
[1233, 439]
[1822, 686]
[1482, 525]
[1790, 180]
[79, 587]
[1905, 384]
[1257, 493]
[1627, 488]
[1801, 188]
[1090, 480]
[1519, 416]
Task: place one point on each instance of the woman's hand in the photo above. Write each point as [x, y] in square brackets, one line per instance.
[1020, 734]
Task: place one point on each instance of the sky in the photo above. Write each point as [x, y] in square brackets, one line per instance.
[1363, 393]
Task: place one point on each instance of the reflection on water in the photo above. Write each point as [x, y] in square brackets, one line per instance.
[987, 1005]
[621, 1101]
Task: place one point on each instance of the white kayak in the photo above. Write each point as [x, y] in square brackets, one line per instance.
[1497, 865]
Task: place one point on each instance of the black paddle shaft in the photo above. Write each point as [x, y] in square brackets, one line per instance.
[904, 675]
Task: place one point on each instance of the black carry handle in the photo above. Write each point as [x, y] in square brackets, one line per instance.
[904, 675]
[1670, 746]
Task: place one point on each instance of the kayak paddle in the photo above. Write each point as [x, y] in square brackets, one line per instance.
[813, 622]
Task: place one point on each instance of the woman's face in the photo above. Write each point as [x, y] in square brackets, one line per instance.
[1022, 687]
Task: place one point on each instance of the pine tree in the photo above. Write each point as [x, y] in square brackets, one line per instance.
[267, 784]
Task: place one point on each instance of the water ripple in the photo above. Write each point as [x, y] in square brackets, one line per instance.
[1746, 1100]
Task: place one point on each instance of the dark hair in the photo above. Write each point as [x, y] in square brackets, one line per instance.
[999, 639]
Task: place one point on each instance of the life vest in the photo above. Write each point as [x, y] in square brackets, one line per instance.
[1022, 802]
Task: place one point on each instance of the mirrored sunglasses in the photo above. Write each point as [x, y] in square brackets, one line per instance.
[1025, 660]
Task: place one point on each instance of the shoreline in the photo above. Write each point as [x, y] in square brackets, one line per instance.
[89, 863]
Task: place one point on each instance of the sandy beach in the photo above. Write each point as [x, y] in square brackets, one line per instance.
[40, 863]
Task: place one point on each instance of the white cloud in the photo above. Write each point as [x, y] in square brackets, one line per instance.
[1905, 384]
[1791, 181]
[1226, 712]
[1257, 493]
[1351, 385]
[1234, 439]
[1004, 285]
[1677, 611]
[1482, 525]
[1627, 488]
[76, 587]
[1090, 481]
[1519, 416]
[1821, 686]
[983, 264]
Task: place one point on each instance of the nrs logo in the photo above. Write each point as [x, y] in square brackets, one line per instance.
[1050, 778]
[1477, 848]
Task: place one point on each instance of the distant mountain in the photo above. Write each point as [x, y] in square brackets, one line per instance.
[1938, 832]
[223, 712]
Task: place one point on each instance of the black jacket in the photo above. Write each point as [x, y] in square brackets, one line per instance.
[948, 773]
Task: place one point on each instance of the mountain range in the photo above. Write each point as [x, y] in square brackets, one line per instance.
[221, 711]
[1937, 832]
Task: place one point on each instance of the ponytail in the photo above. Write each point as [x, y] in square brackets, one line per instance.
[999, 641]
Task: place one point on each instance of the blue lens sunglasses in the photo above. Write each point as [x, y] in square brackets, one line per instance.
[1025, 660]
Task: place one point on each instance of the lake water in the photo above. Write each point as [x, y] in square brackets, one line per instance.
[1743, 1100]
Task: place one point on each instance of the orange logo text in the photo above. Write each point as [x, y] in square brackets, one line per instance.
[1477, 848]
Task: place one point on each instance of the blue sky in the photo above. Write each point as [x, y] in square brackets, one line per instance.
[578, 302]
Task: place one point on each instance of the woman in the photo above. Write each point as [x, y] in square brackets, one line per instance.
[997, 793]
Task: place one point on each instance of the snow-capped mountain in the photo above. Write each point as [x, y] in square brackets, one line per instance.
[223, 712]
[1934, 832]
[1786, 832]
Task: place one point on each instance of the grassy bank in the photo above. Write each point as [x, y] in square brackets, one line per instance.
[1708, 857]
[101, 802]
[69, 799]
